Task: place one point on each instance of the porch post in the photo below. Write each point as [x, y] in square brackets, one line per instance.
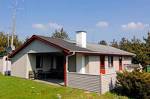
[65, 70]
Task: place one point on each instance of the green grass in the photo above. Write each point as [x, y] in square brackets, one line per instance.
[17, 88]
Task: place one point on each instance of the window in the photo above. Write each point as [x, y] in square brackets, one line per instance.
[110, 61]
[39, 61]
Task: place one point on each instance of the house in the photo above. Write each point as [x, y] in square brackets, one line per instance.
[79, 64]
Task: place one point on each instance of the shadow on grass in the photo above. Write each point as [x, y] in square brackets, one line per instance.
[120, 92]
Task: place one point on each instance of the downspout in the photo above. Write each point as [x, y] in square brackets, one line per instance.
[66, 68]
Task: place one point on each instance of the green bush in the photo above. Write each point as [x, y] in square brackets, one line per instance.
[134, 84]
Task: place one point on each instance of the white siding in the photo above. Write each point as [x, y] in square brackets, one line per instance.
[40, 47]
[19, 65]
[94, 65]
[108, 82]
[1, 64]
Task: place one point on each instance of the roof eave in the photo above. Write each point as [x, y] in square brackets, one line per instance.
[98, 53]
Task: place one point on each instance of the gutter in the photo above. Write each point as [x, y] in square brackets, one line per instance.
[66, 68]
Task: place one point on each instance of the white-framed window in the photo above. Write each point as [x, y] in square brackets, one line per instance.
[110, 61]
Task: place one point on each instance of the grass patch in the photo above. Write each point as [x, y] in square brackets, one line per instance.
[17, 88]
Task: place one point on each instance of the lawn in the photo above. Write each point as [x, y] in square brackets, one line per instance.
[17, 88]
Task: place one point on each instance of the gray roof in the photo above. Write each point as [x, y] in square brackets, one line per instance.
[91, 47]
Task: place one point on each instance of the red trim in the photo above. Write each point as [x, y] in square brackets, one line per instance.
[120, 68]
[65, 69]
[34, 37]
[102, 71]
[102, 64]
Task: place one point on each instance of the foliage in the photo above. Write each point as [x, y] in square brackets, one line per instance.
[4, 42]
[102, 42]
[17, 88]
[114, 43]
[134, 84]
[60, 34]
[136, 46]
[3, 53]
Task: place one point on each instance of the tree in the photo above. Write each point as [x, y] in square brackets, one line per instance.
[147, 45]
[102, 42]
[134, 84]
[4, 42]
[147, 40]
[60, 34]
[114, 43]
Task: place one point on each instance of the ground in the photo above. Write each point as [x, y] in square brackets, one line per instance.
[17, 88]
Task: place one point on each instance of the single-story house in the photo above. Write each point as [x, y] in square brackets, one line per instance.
[79, 64]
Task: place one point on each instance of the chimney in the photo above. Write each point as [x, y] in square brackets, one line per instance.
[81, 38]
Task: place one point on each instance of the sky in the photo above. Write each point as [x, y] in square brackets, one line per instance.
[101, 19]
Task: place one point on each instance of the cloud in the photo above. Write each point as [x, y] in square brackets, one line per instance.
[50, 25]
[39, 26]
[135, 26]
[102, 24]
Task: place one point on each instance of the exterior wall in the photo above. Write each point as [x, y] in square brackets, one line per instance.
[84, 81]
[39, 47]
[80, 63]
[22, 63]
[31, 60]
[108, 82]
[94, 65]
[1, 64]
[87, 64]
[19, 65]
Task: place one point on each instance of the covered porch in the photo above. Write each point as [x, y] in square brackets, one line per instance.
[47, 67]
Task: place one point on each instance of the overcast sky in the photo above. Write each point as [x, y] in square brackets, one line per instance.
[102, 19]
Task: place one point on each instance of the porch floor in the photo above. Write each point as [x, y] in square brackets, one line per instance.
[56, 82]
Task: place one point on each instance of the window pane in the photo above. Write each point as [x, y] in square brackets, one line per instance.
[110, 61]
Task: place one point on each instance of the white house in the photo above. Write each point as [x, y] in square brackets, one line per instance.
[80, 64]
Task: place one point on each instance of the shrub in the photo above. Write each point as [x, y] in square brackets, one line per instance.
[134, 84]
